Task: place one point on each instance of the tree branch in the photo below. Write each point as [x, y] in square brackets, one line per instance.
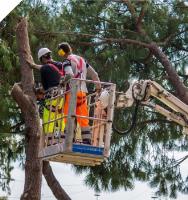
[170, 37]
[139, 21]
[102, 39]
[22, 99]
[52, 182]
[181, 90]
[131, 8]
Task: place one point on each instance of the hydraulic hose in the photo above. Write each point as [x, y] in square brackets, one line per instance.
[134, 119]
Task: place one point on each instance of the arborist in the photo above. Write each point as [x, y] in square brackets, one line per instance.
[77, 67]
[51, 73]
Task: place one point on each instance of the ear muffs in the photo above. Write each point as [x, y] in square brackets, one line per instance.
[61, 52]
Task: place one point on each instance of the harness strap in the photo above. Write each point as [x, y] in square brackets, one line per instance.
[79, 64]
[56, 69]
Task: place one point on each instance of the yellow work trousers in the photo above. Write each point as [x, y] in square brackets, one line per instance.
[52, 111]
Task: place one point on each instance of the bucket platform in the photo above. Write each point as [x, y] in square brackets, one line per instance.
[85, 155]
[60, 148]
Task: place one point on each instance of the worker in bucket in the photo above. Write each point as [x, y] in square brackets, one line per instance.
[51, 75]
[79, 69]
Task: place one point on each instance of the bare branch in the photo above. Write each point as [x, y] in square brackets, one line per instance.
[138, 19]
[22, 99]
[56, 188]
[91, 44]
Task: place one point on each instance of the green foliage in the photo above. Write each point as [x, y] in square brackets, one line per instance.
[11, 150]
[140, 155]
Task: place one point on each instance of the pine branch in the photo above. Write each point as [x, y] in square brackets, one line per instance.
[171, 37]
[103, 40]
[140, 18]
[181, 89]
[131, 8]
[178, 163]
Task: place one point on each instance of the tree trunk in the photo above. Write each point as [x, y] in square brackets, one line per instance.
[56, 188]
[24, 95]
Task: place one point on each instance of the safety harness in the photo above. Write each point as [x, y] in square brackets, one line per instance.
[61, 72]
[79, 64]
[81, 98]
[52, 92]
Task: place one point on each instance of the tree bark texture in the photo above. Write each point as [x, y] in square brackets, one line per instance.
[24, 95]
[52, 182]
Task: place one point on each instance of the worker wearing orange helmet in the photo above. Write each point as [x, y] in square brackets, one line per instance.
[79, 69]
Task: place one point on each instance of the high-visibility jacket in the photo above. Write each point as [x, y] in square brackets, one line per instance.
[53, 109]
[80, 69]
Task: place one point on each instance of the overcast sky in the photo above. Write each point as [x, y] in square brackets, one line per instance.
[75, 187]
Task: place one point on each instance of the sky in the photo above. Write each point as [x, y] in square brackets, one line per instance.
[77, 190]
[72, 183]
[7, 6]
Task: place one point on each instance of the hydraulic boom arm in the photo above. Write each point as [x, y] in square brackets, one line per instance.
[143, 90]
